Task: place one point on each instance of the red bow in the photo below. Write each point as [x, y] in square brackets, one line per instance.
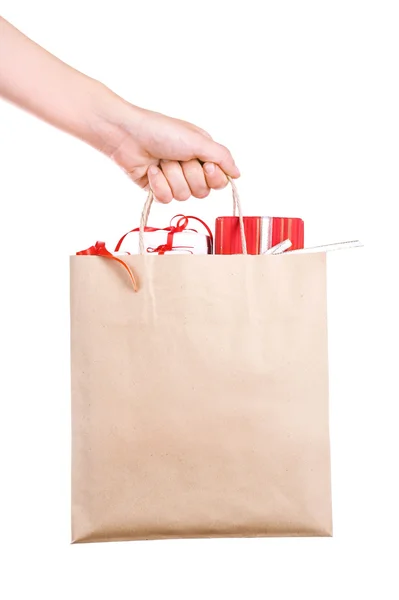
[99, 249]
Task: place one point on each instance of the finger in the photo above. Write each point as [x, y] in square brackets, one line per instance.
[195, 178]
[142, 182]
[173, 173]
[159, 185]
[209, 151]
[215, 177]
[205, 133]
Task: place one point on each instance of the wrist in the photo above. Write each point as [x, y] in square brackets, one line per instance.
[90, 110]
[107, 119]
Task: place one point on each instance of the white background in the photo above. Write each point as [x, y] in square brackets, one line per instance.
[304, 94]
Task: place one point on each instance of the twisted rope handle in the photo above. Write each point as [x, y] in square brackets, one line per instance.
[236, 207]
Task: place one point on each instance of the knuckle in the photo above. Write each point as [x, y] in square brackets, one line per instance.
[182, 195]
[202, 193]
[164, 198]
[225, 152]
[221, 185]
[221, 181]
[171, 166]
[156, 182]
[160, 193]
[191, 167]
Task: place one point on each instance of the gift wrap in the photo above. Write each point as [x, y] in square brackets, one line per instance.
[262, 233]
[159, 242]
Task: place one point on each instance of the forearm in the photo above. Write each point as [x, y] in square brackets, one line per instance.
[168, 154]
[37, 81]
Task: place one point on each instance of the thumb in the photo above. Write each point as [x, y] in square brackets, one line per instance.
[210, 151]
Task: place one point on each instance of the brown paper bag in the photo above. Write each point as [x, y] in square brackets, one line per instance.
[200, 403]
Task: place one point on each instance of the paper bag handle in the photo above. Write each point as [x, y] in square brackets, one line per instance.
[236, 207]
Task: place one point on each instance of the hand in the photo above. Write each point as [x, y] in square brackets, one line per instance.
[177, 159]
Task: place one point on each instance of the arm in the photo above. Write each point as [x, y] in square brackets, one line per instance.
[177, 158]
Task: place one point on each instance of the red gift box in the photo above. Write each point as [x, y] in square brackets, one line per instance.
[261, 234]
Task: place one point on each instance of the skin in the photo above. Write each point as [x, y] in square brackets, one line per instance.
[177, 159]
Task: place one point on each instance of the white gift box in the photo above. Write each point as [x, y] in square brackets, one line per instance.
[155, 242]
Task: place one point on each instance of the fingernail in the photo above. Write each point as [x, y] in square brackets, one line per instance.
[153, 170]
[209, 168]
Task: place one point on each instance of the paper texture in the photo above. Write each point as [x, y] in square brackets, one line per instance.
[200, 403]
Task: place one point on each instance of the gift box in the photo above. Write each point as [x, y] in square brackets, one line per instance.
[262, 233]
[179, 238]
[157, 242]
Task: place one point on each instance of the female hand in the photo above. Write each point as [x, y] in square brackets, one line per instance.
[177, 159]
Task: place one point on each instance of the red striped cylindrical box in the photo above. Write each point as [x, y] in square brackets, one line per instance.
[261, 234]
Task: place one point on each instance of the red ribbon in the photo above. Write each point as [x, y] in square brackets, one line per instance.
[99, 249]
[165, 248]
[180, 226]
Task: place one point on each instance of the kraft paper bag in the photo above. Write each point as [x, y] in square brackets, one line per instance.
[200, 403]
